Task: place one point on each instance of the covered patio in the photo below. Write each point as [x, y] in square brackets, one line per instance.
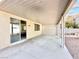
[35, 29]
[41, 47]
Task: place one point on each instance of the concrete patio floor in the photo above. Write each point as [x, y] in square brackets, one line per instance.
[42, 47]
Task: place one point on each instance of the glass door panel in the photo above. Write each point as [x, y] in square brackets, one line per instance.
[14, 30]
[23, 30]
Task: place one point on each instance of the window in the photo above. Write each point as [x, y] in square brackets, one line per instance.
[36, 27]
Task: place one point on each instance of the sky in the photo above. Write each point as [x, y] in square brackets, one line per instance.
[75, 10]
[77, 0]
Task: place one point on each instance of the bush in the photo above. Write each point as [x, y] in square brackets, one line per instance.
[71, 25]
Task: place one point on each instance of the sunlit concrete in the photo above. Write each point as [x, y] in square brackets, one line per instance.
[42, 47]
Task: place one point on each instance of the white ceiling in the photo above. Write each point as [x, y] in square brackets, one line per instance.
[43, 11]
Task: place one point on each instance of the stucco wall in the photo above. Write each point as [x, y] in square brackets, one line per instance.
[5, 29]
[49, 30]
[30, 29]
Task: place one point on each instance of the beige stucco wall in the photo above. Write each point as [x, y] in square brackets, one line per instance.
[49, 30]
[30, 29]
[5, 29]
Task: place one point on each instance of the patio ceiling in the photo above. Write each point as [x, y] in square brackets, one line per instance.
[43, 11]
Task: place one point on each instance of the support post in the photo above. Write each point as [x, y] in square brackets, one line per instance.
[63, 38]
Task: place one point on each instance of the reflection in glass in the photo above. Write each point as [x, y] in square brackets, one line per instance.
[14, 30]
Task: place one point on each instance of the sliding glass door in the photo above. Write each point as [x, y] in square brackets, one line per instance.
[23, 30]
[14, 30]
[17, 30]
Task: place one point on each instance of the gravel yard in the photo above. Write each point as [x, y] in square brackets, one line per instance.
[72, 44]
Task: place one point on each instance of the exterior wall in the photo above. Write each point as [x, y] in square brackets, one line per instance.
[49, 30]
[30, 29]
[5, 29]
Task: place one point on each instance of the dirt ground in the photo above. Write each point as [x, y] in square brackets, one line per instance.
[72, 44]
